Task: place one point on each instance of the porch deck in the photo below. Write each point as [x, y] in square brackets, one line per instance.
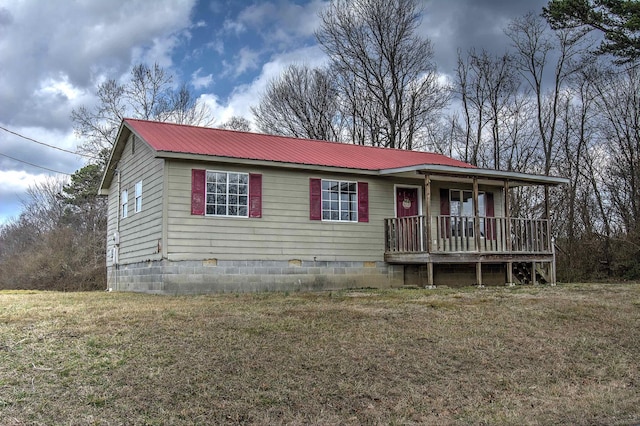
[442, 239]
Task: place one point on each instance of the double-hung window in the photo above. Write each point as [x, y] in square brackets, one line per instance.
[124, 201]
[339, 200]
[462, 214]
[227, 194]
[138, 196]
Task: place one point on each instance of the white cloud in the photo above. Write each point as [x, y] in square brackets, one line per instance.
[234, 27]
[13, 182]
[80, 40]
[280, 24]
[58, 87]
[201, 81]
[53, 56]
[247, 59]
[216, 45]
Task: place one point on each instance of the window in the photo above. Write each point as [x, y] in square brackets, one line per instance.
[461, 203]
[124, 200]
[227, 194]
[462, 215]
[339, 200]
[139, 197]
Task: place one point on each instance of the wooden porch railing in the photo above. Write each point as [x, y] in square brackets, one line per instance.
[450, 234]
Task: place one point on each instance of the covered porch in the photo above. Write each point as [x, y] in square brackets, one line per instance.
[483, 236]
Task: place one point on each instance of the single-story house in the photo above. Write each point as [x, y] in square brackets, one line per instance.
[199, 210]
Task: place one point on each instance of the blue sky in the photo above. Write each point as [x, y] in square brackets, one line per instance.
[54, 53]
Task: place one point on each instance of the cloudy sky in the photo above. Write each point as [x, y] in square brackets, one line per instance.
[54, 53]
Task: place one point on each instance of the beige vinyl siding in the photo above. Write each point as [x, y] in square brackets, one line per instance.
[284, 231]
[140, 232]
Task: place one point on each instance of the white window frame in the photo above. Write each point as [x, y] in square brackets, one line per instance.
[138, 199]
[482, 212]
[226, 194]
[353, 213]
[124, 203]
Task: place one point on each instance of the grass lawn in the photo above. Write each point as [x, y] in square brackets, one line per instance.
[526, 355]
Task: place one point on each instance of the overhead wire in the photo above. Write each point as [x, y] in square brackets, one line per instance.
[44, 144]
[48, 145]
[35, 165]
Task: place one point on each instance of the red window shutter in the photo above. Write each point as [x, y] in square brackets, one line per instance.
[490, 207]
[363, 202]
[445, 210]
[255, 195]
[315, 199]
[198, 184]
[490, 210]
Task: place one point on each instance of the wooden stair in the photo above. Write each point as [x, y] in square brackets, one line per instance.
[522, 273]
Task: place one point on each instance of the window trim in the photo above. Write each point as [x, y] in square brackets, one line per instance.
[206, 193]
[356, 200]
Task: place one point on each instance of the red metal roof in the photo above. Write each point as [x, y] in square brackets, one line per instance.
[178, 138]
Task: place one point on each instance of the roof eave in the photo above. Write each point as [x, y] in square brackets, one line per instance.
[112, 163]
[514, 177]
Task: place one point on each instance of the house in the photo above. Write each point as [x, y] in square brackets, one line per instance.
[199, 210]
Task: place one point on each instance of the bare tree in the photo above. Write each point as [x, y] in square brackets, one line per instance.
[582, 209]
[535, 47]
[237, 123]
[301, 102]
[49, 247]
[182, 107]
[487, 87]
[148, 94]
[386, 74]
[471, 101]
[43, 206]
[620, 108]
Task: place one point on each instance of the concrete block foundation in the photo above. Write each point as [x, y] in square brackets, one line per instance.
[222, 276]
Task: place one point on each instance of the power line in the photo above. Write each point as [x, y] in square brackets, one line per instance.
[35, 165]
[47, 145]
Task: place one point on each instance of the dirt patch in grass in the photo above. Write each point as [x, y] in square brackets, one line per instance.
[524, 355]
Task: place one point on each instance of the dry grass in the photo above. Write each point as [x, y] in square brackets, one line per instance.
[525, 355]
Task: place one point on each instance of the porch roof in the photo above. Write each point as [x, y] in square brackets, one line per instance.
[443, 172]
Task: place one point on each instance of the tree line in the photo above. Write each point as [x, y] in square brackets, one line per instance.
[562, 100]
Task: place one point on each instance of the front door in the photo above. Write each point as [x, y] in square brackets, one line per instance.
[409, 226]
[407, 202]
